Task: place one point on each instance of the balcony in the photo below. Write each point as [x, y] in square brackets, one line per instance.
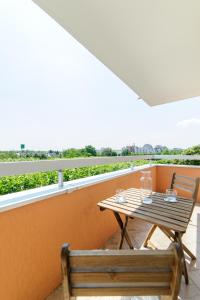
[36, 223]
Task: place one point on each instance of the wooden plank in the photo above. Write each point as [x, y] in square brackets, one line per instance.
[151, 208]
[158, 261]
[188, 184]
[160, 197]
[181, 202]
[123, 253]
[185, 177]
[117, 269]
[187, 206]
[161, 206]
[181, 187]
[162, 212]
[148, 213]
[150, 219]
[118, 285]
[137, 291]
[181, 205]
[120, 277]
[65, 271]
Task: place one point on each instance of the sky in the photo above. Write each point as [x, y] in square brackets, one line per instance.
[54, 94]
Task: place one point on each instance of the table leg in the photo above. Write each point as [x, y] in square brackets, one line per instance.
[124, 233]
[185, 272]
[150, 233]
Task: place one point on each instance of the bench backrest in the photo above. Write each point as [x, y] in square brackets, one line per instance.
[121, 272]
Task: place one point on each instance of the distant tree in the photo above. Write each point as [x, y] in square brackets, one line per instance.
[5, 155]
[165, 151]
[193, 150]
[90, 150]
[125, 151]
[108, 152]
[40, 155]
[70, 153]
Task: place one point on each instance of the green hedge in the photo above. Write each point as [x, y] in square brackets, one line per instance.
[179, 162]
[11, 184]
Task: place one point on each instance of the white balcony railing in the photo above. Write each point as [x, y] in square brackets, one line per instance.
[25, 167]
[17, 199]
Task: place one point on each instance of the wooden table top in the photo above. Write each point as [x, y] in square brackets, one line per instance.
[175, 216]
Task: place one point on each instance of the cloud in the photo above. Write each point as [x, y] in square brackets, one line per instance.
[189, 122]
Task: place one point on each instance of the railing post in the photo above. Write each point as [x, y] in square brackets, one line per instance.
[60, 178]
[132, 166]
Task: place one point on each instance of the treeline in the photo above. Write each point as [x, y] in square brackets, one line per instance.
[87, 151]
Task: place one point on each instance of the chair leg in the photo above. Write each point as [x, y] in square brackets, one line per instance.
[171, 236]
[151, 231]
[185, 272]
[193, 257]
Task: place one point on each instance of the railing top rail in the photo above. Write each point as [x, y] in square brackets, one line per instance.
[25, 167]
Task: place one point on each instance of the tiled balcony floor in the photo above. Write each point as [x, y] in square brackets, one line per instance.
[138, 231]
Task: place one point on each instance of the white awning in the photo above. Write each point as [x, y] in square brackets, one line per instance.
[152, 45]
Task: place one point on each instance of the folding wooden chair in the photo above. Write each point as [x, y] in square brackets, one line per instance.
[186, 184]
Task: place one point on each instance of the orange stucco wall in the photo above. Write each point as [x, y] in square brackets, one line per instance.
[31, 236]
[164, 175]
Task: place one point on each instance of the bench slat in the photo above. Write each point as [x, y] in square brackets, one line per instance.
[137, 291]
[122, 261]
[111, 277]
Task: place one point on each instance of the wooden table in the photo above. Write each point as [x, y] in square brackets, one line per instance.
[171, 218]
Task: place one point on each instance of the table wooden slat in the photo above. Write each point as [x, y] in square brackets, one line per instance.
[132, 205]
[174, 216]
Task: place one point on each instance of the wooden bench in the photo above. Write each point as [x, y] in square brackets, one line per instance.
[121, 272]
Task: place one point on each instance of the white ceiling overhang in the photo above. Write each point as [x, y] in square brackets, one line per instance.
[152, 45]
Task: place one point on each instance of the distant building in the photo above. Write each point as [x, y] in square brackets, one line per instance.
[131, 148]
[159, 148]
[147, 148]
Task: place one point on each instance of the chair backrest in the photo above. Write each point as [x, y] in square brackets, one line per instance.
[121, 272]
[187, 184]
